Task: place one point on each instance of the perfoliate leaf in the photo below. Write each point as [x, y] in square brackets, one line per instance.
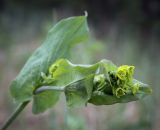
[57, 44]
[106, 83]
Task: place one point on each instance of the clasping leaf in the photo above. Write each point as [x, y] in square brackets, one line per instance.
[60, 39]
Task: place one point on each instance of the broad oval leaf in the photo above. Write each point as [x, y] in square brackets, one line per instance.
[57, 44]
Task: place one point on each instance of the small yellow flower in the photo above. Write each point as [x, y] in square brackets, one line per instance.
[119, 92]
[122, 72]
[125, 72]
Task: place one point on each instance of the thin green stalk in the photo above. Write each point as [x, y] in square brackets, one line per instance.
[46, 88]
[20, 108]
[14, 115]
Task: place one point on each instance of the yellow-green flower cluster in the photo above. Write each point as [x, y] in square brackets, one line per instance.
[125, 84]
[120, 81]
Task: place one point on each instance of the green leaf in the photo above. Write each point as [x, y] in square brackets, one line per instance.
[57, 44]
[44, 101]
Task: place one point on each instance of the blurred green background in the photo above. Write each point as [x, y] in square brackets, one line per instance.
[126, 32]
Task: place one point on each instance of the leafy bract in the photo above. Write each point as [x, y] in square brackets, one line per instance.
[57, 44]
[102, 83]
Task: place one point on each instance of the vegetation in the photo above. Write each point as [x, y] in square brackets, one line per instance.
[47, 73]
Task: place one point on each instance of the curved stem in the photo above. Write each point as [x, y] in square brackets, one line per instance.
[53, 88]
[20, 108]
[14, 115]
[46, 88]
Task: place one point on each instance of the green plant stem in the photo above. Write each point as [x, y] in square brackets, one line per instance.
[18, 110]
[46, 88]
